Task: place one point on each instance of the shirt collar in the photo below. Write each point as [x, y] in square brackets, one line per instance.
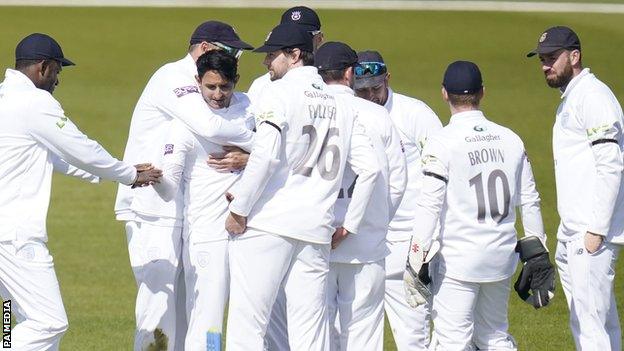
[12, 76]
[466, 115]
[189, 64]
[388, 104]
[340, 89]
[306, 72]
[574, 82]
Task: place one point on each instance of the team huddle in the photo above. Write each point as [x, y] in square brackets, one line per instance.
[320, 200]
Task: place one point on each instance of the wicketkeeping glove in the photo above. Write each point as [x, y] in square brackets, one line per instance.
[416, 275]
[537, 275]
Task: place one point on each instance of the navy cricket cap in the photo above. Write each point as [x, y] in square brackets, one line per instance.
[39, 46]
[215, 31]
[555, 38]
[334, 55]
[287, 35]
[462, 77]
[302, 16]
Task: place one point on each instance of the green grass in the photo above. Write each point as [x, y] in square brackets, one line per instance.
[117, 49]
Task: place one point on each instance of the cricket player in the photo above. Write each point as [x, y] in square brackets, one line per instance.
[415, 121]
[281, 210]
[154, 226]
[475, 174]
[356, 271]
[205, 240]
[302, 16]
[587, 147]
[37, 138]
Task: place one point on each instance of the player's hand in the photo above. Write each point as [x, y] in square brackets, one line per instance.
[231, 160]
[229, 197]
[146, 175]
[537, 275]
[339, 235]
[235, 224]
[593, 242]
[416, 291]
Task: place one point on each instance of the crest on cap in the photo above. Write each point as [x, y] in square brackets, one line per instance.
[543, 37]
[295, 15]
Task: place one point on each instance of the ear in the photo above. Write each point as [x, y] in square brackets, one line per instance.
[295, 56]
[444, 95]
[236, 79]
[575, 57]
[387, 79]
[481, 93]
[41, 68]
[198, 79]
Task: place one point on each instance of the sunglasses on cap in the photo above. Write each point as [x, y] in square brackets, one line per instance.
[236, 53]
[315, 32]
[374, 68]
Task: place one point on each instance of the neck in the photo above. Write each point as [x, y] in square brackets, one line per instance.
[575, 72]
[462, 108]
[31, 74]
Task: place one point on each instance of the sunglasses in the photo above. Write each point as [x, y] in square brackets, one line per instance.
[374, 68]
[236, 53]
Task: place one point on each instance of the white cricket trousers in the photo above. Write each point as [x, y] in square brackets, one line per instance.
[355, 295]
[206, 275]
[467, 314]
[259, 264]
[155, 253]
[27, 278]
[587, 281]
[410, 326]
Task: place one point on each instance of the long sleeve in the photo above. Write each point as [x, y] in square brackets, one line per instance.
[529, 202]
[63, 167]
[189, 107]
[433, 192]
[604, 132]
[50, 127]
[397, 170]
[367, 169]
[263, 162]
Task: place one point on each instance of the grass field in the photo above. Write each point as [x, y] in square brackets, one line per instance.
[117, 49]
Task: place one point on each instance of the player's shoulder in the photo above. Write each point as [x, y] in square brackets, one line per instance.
[410, 103]
[506, 134]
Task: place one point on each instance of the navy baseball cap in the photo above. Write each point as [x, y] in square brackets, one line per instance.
[555, 38]
[334, 55]
[302, 16]
[287, 35]
[462, 77]
[371, 69]
[215, 31]
[39, 46]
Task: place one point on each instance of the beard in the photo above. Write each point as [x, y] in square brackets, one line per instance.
[561, 79]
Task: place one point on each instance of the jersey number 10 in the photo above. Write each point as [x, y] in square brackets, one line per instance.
[495, 212]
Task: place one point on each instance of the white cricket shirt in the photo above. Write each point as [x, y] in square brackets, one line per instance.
[369, 245]
[475, 174]
[256, 87]
[35, 138]
[414, 121]
[294, 173]
[587, 147]
[171, 94]
[185, 167]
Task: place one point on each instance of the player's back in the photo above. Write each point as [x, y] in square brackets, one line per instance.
[484, 165]
[316, 133]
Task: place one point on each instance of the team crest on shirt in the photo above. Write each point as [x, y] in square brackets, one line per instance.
[295, 15]
[181, 91]
[61, 123]
[168, 149]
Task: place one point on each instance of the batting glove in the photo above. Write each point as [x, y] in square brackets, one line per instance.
[536, 283]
